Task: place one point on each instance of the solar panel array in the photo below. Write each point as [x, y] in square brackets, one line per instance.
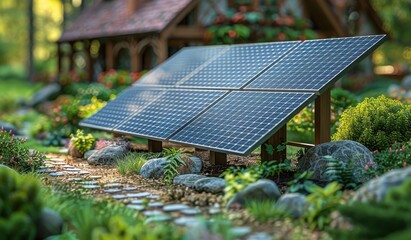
[230, 98]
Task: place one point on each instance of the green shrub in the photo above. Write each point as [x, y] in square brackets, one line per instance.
[20, 205]
[14, 154]
[376, 123]
[388, 219]
[396, 156]
[82, 142]
[131, 164]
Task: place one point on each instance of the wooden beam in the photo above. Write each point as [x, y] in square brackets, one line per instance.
[135, 58]
[60, 56]
[71, 56]
[199, 150]
[183, 13]
[190, 33]
[299, 144]
[280, 137]
[162, 50]
[89, 61]
[217, 158]
[323, 118]
[109, 55]
[155, 146]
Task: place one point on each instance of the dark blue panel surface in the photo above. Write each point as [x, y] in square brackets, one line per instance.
[242, 120]
[240, 64]
[180, 65]
[315, 64]
[126, 104]
[168, 113]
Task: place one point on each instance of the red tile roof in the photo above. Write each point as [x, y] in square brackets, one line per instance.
[108, 18]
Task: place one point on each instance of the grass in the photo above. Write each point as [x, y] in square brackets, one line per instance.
[264, 211]
[34, 144]
[132, 162]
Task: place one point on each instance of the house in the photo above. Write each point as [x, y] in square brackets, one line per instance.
[138, 34]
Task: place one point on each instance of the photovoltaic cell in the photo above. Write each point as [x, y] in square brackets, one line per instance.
[168, 113]
[180, 65]
[238, 65]
[127, 103]
[315, 64]
[242, 120]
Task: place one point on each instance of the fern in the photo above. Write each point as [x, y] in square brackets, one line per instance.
[173, 162]
[341, 173]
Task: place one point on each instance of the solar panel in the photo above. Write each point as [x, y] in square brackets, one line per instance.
[238, 65]
[315, 64]
[242, 120]
[127, 103]
[168, 113]
[180, 65]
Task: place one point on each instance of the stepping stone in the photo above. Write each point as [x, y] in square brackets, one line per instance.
[110, 185]
[240, 231]
[46, 171]
[154, 197]
[174, 207]
[155, 204]
[214, 211]
[90, 183]
[136, 207]
[138, 201]
[67, 166]
[56, 159]
[138, 195]
[91, 186]
[112, 190]
[130, 188]
[158, 218]
[119, 196]
[191, 211]
[259, 236]
[64, 150]
[94, 177]
[58, 163]
[152, 213]
[74, 179]
[72, 169]
[186, 221]
[57, 174]
[83, 172]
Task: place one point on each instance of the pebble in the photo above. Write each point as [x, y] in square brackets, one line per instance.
[136, 207]
[112, 190]
[93, 177]
[138, 201]
[90, 186]
[152, 213]
[191, 211]
[83, 172]
[138, 195]
[89, 183]
[130, 188]
[110, 185]
[154, 197]
[72, 169]
[119, 196]
[74, 179]
[174, 207]
[155, 204]
[56, 174]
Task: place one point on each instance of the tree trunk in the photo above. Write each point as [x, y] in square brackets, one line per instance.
[31, 42]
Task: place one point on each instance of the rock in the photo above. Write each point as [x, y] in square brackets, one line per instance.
[8, 127]
[293, 203]
[74, 152]
[89, 153]
[48, 92]
[210, 185]
[107, 156]
[263, 189]
[406, 82]
[376, 189]
[154, 168]
[316, 159]
[187, 180]
[49, 223]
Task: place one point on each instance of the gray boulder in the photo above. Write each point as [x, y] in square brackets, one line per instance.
[263, 189]
[187, 180]
[48, 224]
[8, 127]
[293, 203]
[210, 185]
[89, 153]
[345, 151]
[49, 92]
[154, 168]
[108, 155]
[376, 189]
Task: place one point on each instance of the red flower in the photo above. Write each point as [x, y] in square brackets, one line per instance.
[232, 34]
[281, 36]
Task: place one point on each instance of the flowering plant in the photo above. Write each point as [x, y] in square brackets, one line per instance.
[71, 77]
[14, 154]
[115, 79]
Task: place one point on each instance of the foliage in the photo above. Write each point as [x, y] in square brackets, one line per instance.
[130, 164]
[396, 156]
[321, 202]
[173, 162]
[34, 144]
[54, 139]
[82, 142]
[116, 79]
[264, 211]
[217, 228]
[376, 123]
[301, 183]
[65, 115]
[340, 172]
[89, 109]
[388, 219]
[85, 91]
[38, 122]
[20, 205]
[340, 101]
[71, 77]
[245, 24]
[14, 154]
[238, 178]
